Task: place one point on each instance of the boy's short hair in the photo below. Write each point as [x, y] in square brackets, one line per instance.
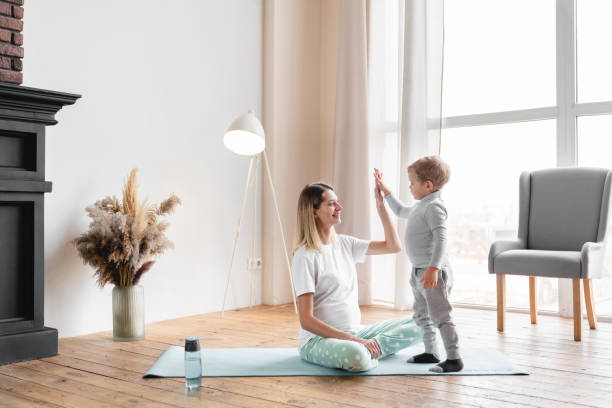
[431, 168]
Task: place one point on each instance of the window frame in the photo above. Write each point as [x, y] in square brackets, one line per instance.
[566, 113]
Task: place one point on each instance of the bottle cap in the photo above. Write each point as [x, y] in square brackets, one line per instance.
[192, 343]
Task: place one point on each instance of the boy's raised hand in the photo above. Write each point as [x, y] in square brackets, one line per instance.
[379, 182]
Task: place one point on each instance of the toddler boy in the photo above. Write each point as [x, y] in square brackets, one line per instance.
[426, 242]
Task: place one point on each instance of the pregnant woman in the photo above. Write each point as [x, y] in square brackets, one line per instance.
[325, 282]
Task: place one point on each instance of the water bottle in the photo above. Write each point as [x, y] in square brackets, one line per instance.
[193, 363]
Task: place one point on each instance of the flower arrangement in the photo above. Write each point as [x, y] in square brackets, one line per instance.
[124, 237]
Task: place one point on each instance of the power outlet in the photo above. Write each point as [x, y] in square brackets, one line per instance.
[254, 263]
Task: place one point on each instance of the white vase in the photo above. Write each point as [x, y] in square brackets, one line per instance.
[128, 313]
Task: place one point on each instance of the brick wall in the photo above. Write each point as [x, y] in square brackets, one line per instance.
[11, 41]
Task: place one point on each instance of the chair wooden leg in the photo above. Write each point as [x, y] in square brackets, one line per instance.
[588, 300]
[577, 309]
[501, 302]
[532, 300]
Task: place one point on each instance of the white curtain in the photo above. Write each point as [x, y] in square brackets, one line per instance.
[423, 53]
[387, 114]
[351, 170]
[405, 87]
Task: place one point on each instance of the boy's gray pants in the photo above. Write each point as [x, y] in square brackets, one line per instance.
[432, 310]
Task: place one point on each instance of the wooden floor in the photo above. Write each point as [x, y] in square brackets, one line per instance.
[94, 371]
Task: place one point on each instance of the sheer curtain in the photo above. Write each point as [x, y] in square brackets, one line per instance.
[387, 114]
[351, 170]
[405, 87]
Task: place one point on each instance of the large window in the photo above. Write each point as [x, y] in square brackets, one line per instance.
[495, 87]
[527, 85]
[513, 101]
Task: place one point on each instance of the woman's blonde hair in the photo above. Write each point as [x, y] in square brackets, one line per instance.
[306, 232]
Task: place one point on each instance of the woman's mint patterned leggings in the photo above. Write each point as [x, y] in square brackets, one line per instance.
[392, 336]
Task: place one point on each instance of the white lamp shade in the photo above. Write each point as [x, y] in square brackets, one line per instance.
[245, 136]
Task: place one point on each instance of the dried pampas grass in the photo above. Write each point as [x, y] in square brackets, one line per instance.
[124, 236]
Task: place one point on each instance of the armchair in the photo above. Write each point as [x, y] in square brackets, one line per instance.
[563, 216]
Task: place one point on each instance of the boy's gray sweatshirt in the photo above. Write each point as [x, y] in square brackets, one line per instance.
[425, 240]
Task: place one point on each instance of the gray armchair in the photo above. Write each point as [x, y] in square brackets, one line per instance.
[563, 215]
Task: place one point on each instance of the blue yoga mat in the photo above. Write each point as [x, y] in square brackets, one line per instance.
[282, 362]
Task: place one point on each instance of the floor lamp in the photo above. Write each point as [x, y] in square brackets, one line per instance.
[245, 136]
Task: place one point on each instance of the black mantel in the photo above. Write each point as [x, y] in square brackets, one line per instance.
[24, 114]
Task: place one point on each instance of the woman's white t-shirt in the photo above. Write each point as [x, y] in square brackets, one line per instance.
[332, 277]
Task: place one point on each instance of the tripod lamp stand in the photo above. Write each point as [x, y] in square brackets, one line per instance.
[245, 136]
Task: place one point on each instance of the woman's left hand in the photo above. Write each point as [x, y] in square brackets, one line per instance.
[373, 347]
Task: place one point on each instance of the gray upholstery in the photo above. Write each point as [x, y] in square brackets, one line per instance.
[564, 208]
[563, 215]
[535, 262]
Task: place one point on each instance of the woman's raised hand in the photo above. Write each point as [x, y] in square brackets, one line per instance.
[378, 195]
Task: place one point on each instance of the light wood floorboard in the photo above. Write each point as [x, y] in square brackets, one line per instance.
[94, 371]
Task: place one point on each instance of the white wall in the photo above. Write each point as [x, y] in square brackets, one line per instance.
[160, 80]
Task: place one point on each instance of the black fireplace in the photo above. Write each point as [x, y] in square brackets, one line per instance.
[24, 114]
